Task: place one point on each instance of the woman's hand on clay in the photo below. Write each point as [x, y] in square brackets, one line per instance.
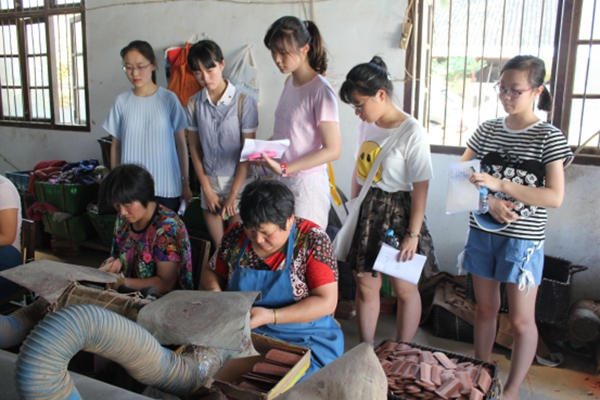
[111, 264]
[260, 316]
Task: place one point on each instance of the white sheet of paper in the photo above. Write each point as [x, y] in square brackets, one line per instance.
[252, 146]
[387, 263]
[462, 194]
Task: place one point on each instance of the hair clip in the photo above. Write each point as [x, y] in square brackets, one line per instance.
[389, 77]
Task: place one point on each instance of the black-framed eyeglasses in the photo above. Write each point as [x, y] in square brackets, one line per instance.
[513, 94]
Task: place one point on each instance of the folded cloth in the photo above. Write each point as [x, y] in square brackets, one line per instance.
[41, 166]
[84, 171]
[36, 211]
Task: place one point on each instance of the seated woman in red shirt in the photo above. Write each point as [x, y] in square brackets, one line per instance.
[291, 262]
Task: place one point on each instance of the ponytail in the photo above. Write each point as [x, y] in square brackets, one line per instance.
[536, 72]
[317, 57]
[545, 100]
[291, 31]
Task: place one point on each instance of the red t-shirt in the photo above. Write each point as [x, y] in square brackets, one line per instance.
[314, 263]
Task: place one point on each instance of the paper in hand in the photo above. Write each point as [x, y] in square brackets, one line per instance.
[252, 146]
[387, 263]
[462, 194]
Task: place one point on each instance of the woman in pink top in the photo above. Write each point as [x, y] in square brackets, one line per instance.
[307, 115]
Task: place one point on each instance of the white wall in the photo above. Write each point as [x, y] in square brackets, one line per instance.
[353, 31]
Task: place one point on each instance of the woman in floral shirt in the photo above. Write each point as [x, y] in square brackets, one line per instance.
[151, 246]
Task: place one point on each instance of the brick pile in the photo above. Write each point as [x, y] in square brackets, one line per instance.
[413, 373]
[265, 375]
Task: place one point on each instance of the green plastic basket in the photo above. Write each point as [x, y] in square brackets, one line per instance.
[76, 229]
[69, 197]
[104, 224]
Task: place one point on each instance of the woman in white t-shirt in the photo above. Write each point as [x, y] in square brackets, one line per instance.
[10, 233]
[396, 199]
[307, 115]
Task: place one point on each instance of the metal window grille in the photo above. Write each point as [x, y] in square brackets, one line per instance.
[471, 41]
[43, 75]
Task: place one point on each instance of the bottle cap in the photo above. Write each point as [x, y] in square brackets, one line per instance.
[389, 232]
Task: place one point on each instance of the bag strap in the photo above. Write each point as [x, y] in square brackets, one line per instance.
[337, 200]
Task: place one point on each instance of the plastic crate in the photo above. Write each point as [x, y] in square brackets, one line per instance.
[105, 143]
[20, 179]
[76, 229]
[68, 197]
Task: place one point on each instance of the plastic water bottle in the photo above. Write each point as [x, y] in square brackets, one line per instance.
[391, 239]
[484, 205]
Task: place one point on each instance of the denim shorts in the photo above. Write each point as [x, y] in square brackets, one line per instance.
[503, 259]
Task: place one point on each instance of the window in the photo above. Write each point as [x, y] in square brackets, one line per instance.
[43, 80]
[462, 45]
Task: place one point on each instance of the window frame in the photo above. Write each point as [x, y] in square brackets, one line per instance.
[20, 17]
[566, 39]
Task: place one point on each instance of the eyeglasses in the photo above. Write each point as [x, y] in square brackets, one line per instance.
[129, 69]
[513, 94]
[359, 107]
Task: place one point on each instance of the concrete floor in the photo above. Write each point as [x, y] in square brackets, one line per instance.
[576, 378]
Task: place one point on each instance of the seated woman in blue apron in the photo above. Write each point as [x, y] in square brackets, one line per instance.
[291, 262]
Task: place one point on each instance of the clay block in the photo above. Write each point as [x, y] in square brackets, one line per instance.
[436, 378]
[281, 357]
[446, 375]
[465, 380]
[476, 395]
[444, 360]
[448, 388]
[248, 385]
[427, 357]
[425, 373]
[413, 359]
[484, 381]
[270, 369]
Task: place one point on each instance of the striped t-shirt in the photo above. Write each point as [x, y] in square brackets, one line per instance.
[146, 127]
[539, 142]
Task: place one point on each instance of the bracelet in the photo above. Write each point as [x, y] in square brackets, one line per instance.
[413, 235]
[185, 178]
[284, 173]
[274, 317]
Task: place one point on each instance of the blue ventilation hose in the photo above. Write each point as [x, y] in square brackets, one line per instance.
[41, 368]
[15, 327]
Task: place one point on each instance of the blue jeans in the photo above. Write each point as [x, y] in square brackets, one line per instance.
[10, 257]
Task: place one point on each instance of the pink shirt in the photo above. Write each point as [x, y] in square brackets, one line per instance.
[298, 114]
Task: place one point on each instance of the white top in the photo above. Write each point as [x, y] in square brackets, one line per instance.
[218, 128]
[298, 115]
[146, 127]
[407, 162]
[539, 142]
[10, 199]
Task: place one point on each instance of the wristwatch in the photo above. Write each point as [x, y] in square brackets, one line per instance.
[413, 235]
[185, 178]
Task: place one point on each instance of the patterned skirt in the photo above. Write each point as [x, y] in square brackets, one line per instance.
[379, 212]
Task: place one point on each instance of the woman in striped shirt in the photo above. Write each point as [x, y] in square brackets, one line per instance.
[147, 126]
[522, 162]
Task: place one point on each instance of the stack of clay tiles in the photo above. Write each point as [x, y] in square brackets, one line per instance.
[265, 375]
[415, 372]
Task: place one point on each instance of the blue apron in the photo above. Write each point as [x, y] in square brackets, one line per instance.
[323, 336]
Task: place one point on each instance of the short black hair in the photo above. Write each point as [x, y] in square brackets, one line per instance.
[367, 79]
[205, 52]
[127, 183]
[266, 201]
